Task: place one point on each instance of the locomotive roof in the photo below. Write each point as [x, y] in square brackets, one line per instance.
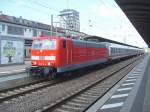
[60, 37]
[49, 37]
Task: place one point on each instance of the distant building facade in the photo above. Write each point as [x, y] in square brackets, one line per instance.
[69, 19]
[21, 28]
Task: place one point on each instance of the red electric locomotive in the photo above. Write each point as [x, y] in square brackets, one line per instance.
[52, 55]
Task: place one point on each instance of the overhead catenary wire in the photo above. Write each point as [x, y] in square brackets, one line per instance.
[47, 7]
[125, 17]
[111, 11]
[43, 5]
[121, 12]
[25, 5]
[123, 20]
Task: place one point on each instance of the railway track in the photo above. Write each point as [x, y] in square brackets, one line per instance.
[20, 95]
[9, 93]
[11, 73]
[24, 89]
[82, 99]
[17, 85]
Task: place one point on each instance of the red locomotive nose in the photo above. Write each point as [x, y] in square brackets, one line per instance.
[43, 52]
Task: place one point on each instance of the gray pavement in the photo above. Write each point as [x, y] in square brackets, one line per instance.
[13, 69]
[146, 103]
[142, 100]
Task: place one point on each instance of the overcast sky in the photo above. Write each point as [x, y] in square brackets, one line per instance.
[97, 17]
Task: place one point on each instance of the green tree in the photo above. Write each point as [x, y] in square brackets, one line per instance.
[9, 51]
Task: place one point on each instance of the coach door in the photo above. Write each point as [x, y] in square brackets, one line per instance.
[68, 51]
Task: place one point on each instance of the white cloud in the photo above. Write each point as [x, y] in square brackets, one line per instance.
[19, 2]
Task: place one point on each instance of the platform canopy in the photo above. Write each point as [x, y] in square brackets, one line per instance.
[138, 12]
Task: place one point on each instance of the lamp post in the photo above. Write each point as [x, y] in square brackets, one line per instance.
[56, 26]
[51, 25]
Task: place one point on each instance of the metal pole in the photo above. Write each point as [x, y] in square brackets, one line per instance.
[56, 29]
[51, 25]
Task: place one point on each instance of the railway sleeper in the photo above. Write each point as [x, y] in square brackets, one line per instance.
[71, 108]
[80, 100]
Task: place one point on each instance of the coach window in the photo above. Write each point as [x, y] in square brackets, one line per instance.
[111, 50]
[64, 44]
[3, 27]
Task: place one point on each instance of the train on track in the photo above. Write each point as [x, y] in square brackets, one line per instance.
[53, 55]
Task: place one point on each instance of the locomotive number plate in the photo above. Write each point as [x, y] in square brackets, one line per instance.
[41, 58]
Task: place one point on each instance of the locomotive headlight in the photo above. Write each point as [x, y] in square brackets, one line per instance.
[50, 58]
[49, 63]
[34, 63]
[34, 57]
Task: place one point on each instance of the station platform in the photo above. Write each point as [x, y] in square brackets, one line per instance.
[131, 94]
[13, 69]
[10, 74]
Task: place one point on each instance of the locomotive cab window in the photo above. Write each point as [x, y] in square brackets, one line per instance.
[64, 44]
[44, 44]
